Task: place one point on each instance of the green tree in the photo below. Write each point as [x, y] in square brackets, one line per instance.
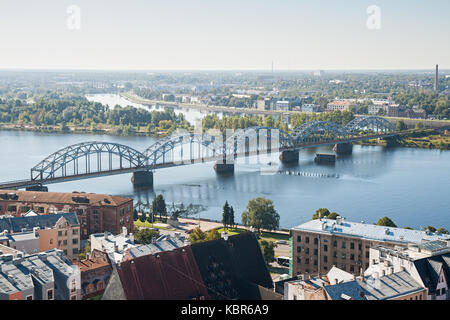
[197, 235]
[213, 234]
[261, 214]
[400, 125]
[430, 228]
[143, 217]
[320, 213]
[231, 217]
[225, 214]
[442, 231]
[268, 250]
[159, 206]
[145, 236]
[387, 222]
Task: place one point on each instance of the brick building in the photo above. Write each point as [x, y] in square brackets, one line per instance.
[319, 244]
[96, 212]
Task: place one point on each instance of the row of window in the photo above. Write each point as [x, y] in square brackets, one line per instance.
[335, 243]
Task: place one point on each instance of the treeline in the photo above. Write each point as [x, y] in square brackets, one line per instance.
[85, 113]
[242, 122]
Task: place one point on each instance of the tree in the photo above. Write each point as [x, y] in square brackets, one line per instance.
[320, 213]
[197, 235]
[159, 206]
[332, 215]
[430, 228]
[145, 236]
[142, 218]
[400, 126]
[268, 249]
[442, 231]
[261, 214]
[231, 218]
[213, 234]
[225, 214]
[135, 215]
[387, 222]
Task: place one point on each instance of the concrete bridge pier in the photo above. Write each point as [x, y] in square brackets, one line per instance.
[343, 148]
[222, 167]
[289, 156]
[142, 179]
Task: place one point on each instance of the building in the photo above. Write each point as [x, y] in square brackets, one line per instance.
[340, 105]
[428, 263]
[96, 212]
[282, 105]
[38, 233]
[163, 243]
[396, 286]
[263, 104]
[319, 244]
[95, 273]
[42, 276]
[310, 107]
[114, 246]
[225, 269]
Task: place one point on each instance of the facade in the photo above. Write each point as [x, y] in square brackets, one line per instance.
[37, 233]
[340, 105]
[310, 107]
[428, 263]
[319, 244]
[96, 212]
[95, 273]
[282, 105]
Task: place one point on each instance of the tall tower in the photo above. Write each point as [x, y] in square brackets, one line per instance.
[436, 78]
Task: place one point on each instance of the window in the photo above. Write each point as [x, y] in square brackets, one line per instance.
[51, 241]
[352, 245]
[325, 259]
[75, 251]
[306, 261]
[315, 262]
[299, 238]
[360, 247]
[352, 268]
[316, 241]
[325, 248]
[343, 267]
[335, 243]
[367, 254]
[307, 239]
[50, 294]
[307, 250]
[344, 256]
[75, 241]
[59, 233]
[316, 252]
[352, 257]
[299, 260]
[64, 242]
[12, 208]
[75, 231]
[343, 244]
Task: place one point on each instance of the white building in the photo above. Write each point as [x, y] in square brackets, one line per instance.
[114, 245]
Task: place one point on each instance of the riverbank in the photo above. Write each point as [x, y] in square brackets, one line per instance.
[423, 139]
[102, 129]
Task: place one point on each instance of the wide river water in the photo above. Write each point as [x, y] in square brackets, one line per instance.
[411, 186]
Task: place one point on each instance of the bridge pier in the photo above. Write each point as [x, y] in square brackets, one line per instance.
[289, 156]
[224, 168]
[391, 141]
[37, 188]
[343, 148]
[142, 179]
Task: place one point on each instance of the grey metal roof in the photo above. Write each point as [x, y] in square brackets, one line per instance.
[158, 246]
[16, 224]
[391, 286]
[368, 231]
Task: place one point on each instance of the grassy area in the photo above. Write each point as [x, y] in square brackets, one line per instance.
[146, 224]
[269, 236]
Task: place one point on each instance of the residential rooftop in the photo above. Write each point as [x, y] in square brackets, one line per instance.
[62, 197]
[368, 231]
[17, 224]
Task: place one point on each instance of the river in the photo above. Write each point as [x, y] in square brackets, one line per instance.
[408, 185]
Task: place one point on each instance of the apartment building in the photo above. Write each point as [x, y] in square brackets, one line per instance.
[96, 212]
[43, 276]
[428, 263]
[37, 233]
[319, 244]
[340, 105]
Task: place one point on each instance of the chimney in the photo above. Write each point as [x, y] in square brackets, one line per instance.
[436, 78]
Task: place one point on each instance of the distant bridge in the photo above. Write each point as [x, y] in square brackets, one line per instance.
[96, 159]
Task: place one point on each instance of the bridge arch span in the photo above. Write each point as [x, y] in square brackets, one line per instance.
[62, 162]
[318, 131]
[371, 124]
[206, 146]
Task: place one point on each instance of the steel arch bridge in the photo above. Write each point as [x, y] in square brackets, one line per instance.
[93, 159]
[162, 149]
[67, 160]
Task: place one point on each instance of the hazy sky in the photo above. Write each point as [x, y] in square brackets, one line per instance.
[224, 34]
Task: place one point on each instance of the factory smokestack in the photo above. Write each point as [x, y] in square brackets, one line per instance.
[436, 79]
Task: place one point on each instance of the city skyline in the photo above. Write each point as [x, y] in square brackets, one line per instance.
[205, 36]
